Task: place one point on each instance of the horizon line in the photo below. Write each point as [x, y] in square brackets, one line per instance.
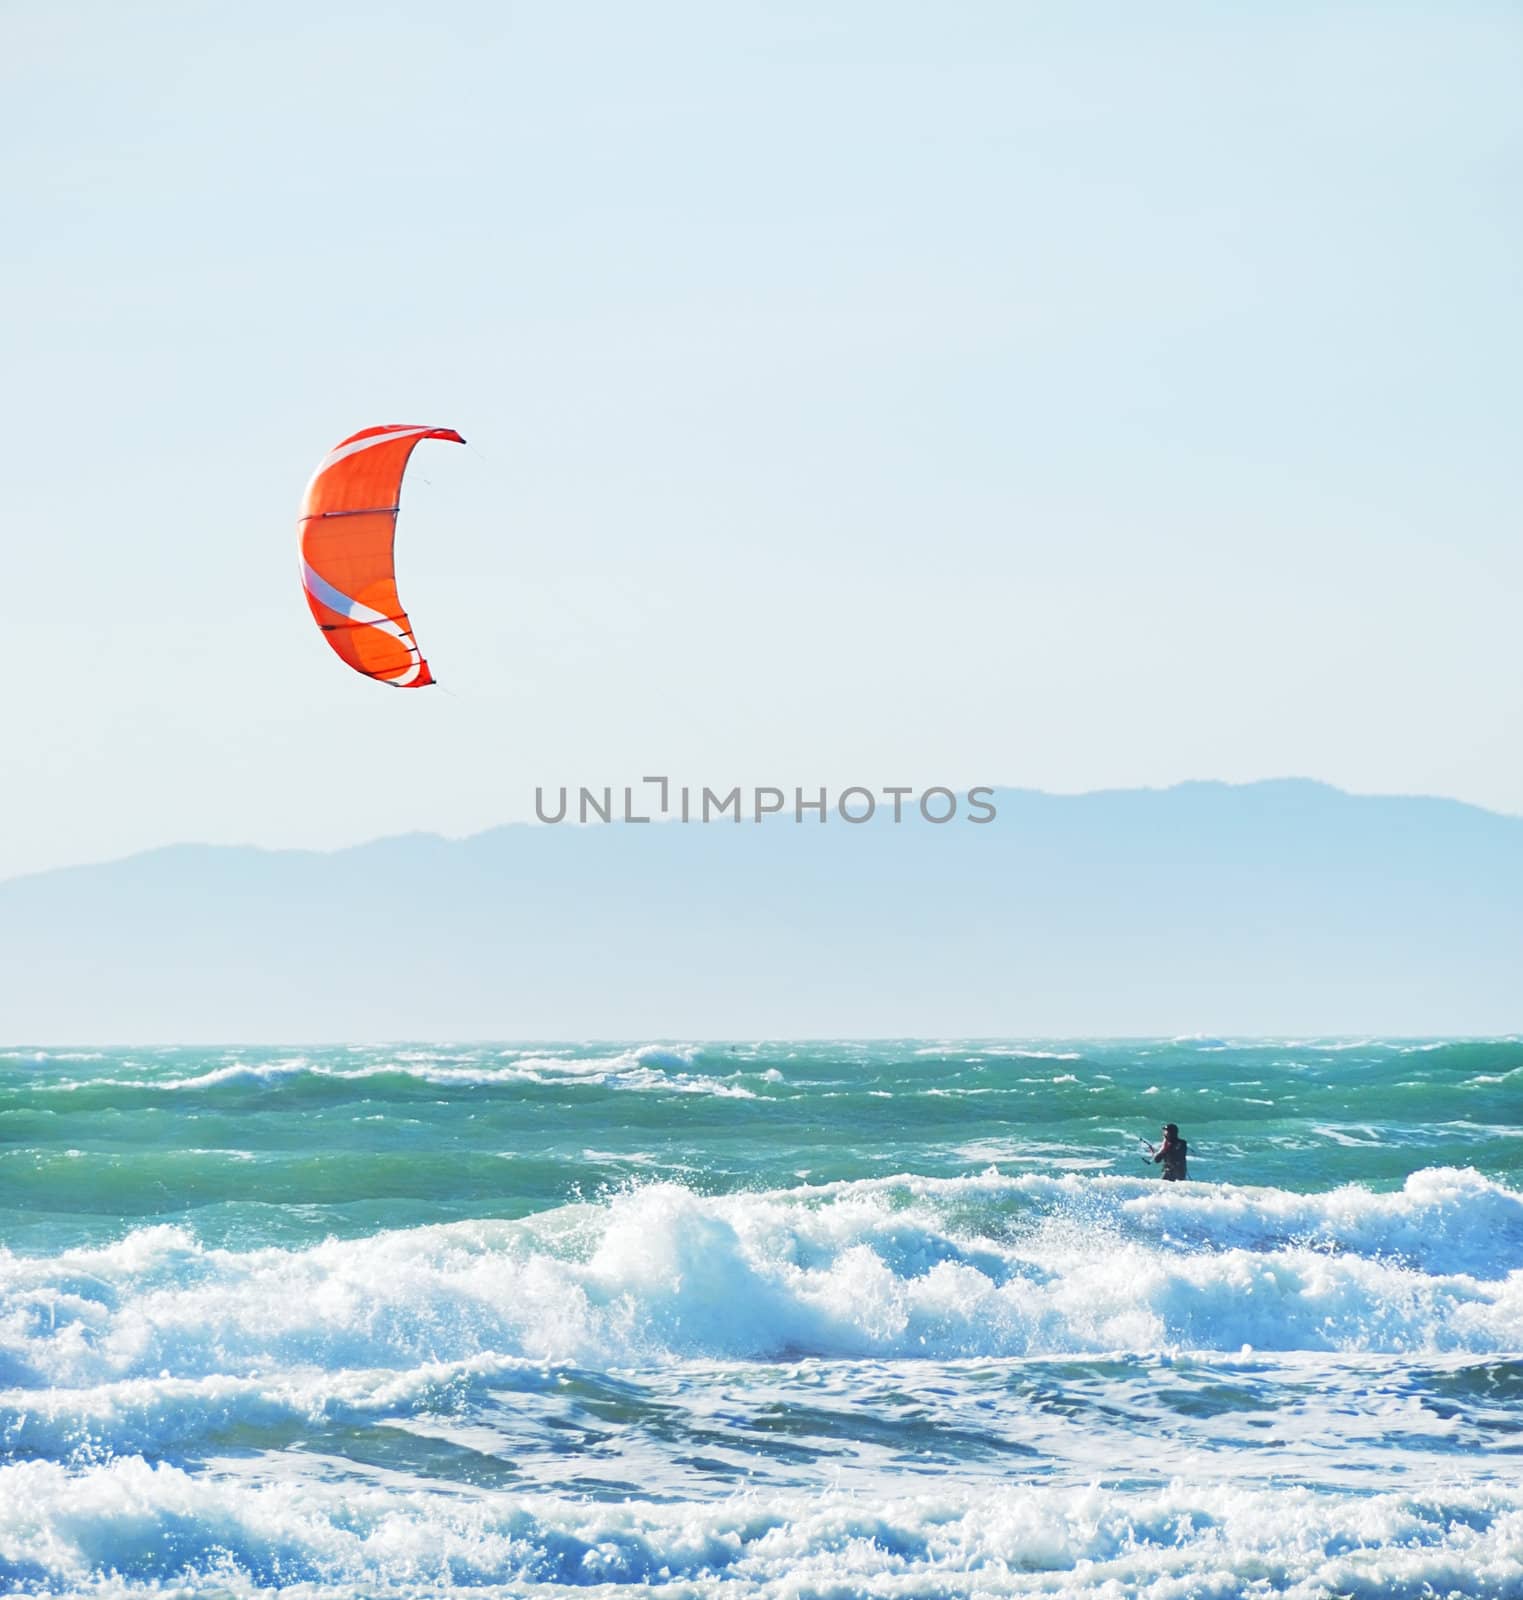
[1226, 1041]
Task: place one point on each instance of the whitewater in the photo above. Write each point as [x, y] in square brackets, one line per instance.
[900, 1318]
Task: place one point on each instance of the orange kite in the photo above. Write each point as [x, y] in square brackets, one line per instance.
[348, 523]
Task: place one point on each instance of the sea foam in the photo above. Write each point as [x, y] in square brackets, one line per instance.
[984, 1266]
[61, 1530]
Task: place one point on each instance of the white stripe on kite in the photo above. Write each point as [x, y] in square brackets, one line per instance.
[336, 600]
[354, 447]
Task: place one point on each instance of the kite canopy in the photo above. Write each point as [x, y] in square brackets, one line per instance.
[348, 523]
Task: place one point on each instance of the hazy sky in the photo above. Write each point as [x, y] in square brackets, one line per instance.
[1056, 395]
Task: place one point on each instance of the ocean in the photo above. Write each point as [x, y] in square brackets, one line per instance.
[898, 1318]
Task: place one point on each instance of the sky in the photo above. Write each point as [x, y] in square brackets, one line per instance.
[1069, 397]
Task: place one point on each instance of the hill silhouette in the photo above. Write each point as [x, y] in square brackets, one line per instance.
[1265, 908]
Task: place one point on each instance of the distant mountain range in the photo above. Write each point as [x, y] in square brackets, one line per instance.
[1265, 908]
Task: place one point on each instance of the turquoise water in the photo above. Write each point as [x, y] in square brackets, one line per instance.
[897, 1318]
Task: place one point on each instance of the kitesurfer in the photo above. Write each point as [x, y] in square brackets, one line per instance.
[1171, 1153]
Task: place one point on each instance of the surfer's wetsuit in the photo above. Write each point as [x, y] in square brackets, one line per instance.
[1172, 1153]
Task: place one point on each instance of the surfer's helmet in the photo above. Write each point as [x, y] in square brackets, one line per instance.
[1171, 1128]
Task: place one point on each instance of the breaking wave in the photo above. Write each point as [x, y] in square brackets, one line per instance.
[943, 1268]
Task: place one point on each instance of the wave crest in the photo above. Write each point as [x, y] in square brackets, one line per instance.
[907, 1267]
